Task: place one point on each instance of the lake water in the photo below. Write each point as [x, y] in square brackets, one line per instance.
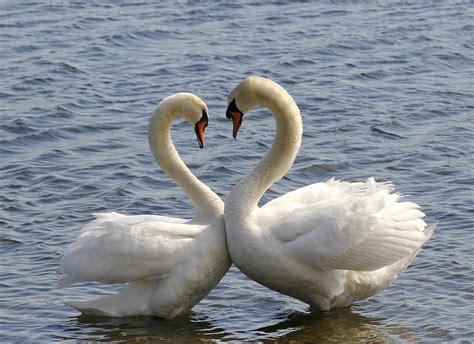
[385, 90]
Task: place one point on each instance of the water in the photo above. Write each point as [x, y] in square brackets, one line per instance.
[384, 89]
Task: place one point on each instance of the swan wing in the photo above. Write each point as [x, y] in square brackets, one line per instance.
[309, 194]
[118, 248]
[347, 226]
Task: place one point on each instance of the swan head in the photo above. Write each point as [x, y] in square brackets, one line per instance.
[241, 100]
[236, 115]
[200, 126]
[192, 109]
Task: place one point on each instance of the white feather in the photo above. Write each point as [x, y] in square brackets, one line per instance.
[328, 244]
[169, 264]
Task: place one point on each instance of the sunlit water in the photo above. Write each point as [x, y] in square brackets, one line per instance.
[385, 90]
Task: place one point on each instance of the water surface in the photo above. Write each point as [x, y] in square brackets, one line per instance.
[385, 90]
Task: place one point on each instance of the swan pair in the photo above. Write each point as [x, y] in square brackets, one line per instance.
[327, 244]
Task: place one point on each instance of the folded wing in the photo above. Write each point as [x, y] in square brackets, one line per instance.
[118, 248]
[347, 226]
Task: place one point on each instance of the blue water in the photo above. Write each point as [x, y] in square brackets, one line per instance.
[385, 90]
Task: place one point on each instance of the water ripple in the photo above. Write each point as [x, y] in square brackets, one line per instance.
[384, 91]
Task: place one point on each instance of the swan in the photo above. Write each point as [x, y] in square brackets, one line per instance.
[327, 244]
[168, 263]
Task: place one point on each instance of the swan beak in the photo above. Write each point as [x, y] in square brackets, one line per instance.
[236, 115]
[199, 128]
[236, 122]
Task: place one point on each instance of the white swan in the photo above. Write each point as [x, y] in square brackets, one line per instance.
[169, 263]
[326, 244]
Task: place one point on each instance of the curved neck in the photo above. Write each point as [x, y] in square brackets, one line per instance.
[286, 144]
[206, 201]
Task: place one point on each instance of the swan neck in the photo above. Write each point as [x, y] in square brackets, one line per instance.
[284, 149]
[206, 201]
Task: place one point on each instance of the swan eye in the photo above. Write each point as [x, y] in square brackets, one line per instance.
[199, 128]
[236, 115]
[204, 116]
[232, 108]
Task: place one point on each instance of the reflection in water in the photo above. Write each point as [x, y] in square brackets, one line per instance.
[79, 82]
[184, 328]
[337, 325]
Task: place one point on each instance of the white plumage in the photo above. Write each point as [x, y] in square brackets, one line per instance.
[328, 244]
[169, 264]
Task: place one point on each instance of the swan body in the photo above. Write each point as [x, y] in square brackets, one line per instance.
[327, 244]
[169, 264]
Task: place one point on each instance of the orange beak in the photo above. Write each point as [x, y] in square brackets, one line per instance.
[236, 122]
[236, 115]
[199, 128]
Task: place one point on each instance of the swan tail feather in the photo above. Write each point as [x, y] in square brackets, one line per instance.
[430, 230]
[130, 301]
[66, 280]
